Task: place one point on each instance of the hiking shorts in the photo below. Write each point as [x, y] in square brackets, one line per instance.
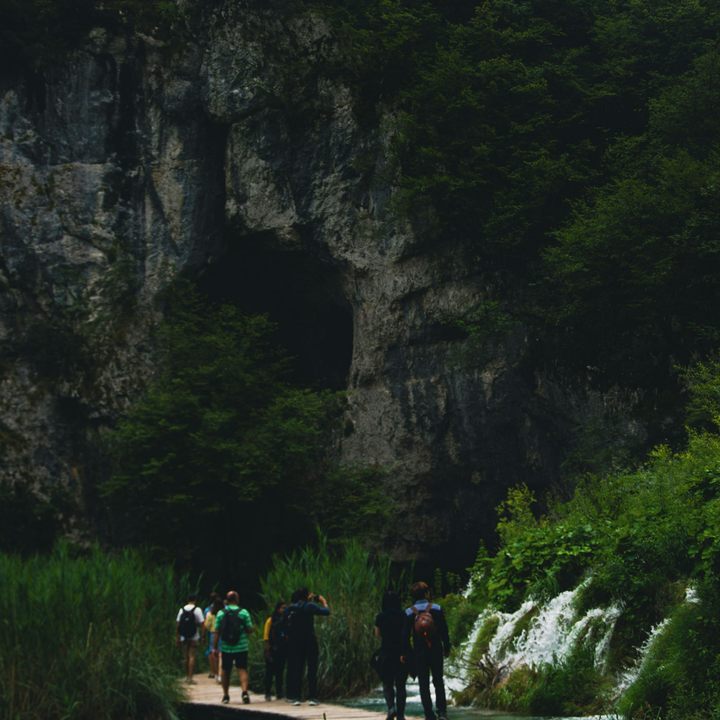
[239, 659]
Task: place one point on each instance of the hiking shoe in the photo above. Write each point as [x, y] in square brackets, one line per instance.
[226, 699]
[211, 676]
[297, 703]
[245, 698]
[313, 702]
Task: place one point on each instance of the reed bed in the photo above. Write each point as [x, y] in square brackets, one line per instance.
[353, 583]
[87, 637]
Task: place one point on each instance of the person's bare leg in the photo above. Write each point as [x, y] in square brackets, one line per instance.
[226, 681]
[191, 659]
[244, 679]
[186, 659]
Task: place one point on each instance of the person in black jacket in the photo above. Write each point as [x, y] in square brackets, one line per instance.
[389, 625]
[427, 630]
[302, 644]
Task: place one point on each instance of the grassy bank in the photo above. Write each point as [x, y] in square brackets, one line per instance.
[87, 637]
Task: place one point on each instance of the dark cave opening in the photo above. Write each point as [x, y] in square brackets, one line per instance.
[300, 291]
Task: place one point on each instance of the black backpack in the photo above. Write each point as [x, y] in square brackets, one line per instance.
[188, 625]
[278, 632]
[232, 627]
[294, 621]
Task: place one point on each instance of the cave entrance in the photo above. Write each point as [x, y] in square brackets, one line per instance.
[302, 294]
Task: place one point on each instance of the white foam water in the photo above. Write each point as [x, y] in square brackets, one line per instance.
[550, 632]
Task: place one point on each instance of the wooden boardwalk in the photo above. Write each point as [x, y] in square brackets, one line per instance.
[204, 700]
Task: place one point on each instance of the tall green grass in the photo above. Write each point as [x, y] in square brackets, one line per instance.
[87, 637]
[353, 583]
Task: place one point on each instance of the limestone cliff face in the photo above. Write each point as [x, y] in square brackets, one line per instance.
[132, 162]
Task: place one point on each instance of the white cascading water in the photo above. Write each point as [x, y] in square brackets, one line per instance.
[629, 676]
[552, 633]
[550, 636]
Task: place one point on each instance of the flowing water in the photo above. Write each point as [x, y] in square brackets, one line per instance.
[376, 703]
[537, 634]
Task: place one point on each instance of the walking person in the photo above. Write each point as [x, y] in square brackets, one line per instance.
[275, 647]
[302, 643]
[233, 626]
[211, 612]
[389, 626]
[188, 623]
[426, 628]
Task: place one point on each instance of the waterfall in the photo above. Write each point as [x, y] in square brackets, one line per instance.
[629, 676]
[552, 633]
[537, 634]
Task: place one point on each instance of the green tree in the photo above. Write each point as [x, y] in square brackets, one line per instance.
[635, 273]
[218, 464]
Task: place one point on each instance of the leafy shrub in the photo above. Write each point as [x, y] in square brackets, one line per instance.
[571, 687]
[461, 614]
[537, 557]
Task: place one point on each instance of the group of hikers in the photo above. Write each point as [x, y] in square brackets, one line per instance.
[288, 638]
[414, 642]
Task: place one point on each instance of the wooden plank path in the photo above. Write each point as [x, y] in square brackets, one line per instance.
[207, 693]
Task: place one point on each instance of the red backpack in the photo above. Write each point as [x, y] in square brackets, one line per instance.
[424, 625]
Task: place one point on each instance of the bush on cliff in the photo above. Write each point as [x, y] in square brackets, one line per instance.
[222, 439]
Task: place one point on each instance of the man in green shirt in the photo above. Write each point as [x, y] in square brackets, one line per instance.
[233, 625]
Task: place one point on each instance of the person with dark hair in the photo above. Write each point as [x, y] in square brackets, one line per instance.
[232, 626]
[275, 647]
[426, 628]
[188, 623]
[211, 612]
[302, 643]
[389, 625]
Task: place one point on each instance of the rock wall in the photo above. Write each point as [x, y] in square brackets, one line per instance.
[134, 161]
